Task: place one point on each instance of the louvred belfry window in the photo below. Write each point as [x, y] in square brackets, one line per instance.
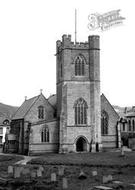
[79, 66]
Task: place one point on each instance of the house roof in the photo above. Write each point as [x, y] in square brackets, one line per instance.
[27, 104]
[130, 114]
[104, 97]
[24, 108]
[52, 100]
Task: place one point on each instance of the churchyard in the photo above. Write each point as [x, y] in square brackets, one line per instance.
[81, 171]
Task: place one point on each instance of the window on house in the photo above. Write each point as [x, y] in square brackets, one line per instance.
[0, 139]
[41, 112]
[123, 126]
[80, 107]
[6, 122]
[104, 123]
[79, 65]
[129, 125]
[133, 124]
[11, 141]
[1, 130]
[45, 135]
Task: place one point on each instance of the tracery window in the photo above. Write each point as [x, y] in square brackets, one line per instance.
[45, 134]
[79, 66]
[104, 123]
[80, 107]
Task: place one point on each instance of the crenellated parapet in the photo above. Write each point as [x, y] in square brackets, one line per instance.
[66, 42]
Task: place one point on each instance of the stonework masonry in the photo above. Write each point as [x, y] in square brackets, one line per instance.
[72, 117]
[71, 87]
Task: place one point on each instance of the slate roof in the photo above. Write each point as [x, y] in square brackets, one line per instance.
[52, 100]
[27, 104]
[103, 97]
[24, 108]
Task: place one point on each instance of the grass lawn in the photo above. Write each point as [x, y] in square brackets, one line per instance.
[103, 159]
[105, 163]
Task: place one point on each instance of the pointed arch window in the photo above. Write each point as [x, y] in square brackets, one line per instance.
[80, 107]
[79, 65]
[104, 123]
[41, 112]
[45, 134]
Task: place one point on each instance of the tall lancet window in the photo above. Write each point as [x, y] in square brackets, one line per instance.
[45, 134]
[41, 112]
[104, 123]
[80, 107]
[79, 65]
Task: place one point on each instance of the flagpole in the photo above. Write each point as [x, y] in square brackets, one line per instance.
[75, 26]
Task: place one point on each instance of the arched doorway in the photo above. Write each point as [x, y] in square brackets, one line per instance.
[81, 144]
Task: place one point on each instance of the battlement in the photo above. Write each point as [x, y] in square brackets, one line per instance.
[66, 37]
[93, 42]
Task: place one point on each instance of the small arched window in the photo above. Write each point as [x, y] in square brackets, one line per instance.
[79, 65]
[45, 134]
[41, 112]
[6, 122]
[104, 123]
[80, 107]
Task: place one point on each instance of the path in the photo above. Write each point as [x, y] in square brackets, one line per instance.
[21, 162]
[25, 160]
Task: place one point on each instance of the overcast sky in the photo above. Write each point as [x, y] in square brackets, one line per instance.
[28, 33]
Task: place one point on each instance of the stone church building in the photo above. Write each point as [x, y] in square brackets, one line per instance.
[77, 118]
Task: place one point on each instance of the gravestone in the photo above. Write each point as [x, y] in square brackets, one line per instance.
[94, 173]
[82, 175]
[105, 179]
[41, 168]
[117, 182]
[110, 178]
[53, 177]
[10, 170]
[61, 171]
[33, 174]
[26, 172]
[64, 183]
[17, 172]
[39, 173]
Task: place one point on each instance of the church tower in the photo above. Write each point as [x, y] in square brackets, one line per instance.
[78, 94]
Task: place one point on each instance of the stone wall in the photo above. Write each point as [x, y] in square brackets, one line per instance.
[32, 115]
[35, 144]
[71, 87]
[110, 140]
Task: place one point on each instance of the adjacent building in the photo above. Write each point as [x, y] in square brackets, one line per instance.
[127, 127]
[4, 129]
